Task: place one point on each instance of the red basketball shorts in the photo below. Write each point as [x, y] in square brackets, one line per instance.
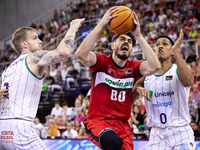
[94, 128]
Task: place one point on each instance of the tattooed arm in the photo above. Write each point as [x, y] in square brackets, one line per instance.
[62, 52]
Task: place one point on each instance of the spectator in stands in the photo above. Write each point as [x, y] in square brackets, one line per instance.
[162, 5]
[193, 34]
[179, 25]
[195, 24]
[61, 15]
[78, 128]
[79, 116]
[58, 120]
[64, 71]
[49, 79]
[77, 105]
[56, 110]
[176, 12]
[67, 112]
[162, 16]
[64, 122]
[53, 129]
[12, 56]
[65, 26]
[86, 103]
[72, 77]
[136, 117]
[43, 31]
[192, 56]
[139, 103]
[186, 25]
[39, 128]
[70, 133]
[196, 97]
[190, 16]
[60, 25]
[55, 15]
[67, 16]
[193, 108]
[53, 71]
[149, 39]
[195, 128]
[73, 72]
[57, 86]
[38, 30]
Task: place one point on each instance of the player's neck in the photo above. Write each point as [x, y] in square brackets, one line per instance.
[25, 51]
[119, 62]
[165, 65]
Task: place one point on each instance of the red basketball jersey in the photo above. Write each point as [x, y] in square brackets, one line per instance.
[111, 88]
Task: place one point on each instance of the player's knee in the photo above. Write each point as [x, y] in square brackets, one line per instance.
[110, 140]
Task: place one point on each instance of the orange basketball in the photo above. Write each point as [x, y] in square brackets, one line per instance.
[123, 23]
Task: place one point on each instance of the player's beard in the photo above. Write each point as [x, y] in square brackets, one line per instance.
[122, 56]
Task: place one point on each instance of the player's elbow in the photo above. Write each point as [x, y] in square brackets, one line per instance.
[189, 81]
[157, 67]
[78, 55]
[81, 56]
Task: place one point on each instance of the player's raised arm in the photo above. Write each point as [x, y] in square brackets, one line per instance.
[152, 64]
[84, 54]
[62, 52]
[184, 71]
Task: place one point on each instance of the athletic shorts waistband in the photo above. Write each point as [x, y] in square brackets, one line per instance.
[170, 127]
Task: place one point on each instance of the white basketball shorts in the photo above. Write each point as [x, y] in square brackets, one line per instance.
[172, 138]
[16, 134]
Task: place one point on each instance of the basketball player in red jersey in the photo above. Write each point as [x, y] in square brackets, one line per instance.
[112, 80]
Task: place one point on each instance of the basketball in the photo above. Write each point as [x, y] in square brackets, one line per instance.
[123, 23]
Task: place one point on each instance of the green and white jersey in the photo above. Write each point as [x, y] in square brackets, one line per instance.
[169, 102]
[24, 91]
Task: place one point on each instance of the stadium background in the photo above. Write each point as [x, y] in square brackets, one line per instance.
[17, 13]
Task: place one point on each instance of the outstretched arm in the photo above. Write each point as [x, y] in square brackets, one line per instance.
[84, 54]
[152, 64]
[64, 49]
[184, 71]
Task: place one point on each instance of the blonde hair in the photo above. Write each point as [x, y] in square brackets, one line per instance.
[19, 36]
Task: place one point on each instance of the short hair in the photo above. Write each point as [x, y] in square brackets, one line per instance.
[57, 102]
[64, 104]
[114, 38]
[164, 36]
[194, 122]
[19, 36]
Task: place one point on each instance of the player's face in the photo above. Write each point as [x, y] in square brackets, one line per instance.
[69, 126]
[122, 47]
[33, 42]
[163, 49]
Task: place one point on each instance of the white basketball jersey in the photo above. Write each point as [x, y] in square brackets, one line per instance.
[24, 91]
[169, 103]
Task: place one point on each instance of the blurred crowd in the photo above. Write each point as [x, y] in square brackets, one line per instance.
[64, 121]
[156, 17]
